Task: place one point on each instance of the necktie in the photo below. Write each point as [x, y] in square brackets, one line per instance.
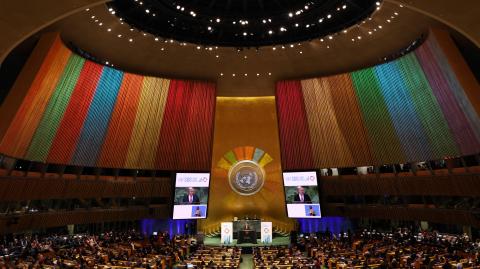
[190, 199]
[301, 198]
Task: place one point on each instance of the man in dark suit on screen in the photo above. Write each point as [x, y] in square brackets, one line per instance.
[190, 197]
[301, 196]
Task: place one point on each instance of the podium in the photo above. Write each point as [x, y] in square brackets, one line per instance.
[253, 225]
[246, 231]
[247, 236]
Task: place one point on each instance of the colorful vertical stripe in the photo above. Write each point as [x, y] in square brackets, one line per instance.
[82, 113]
[415, 108]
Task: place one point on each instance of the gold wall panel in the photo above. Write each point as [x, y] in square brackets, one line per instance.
[242, 122]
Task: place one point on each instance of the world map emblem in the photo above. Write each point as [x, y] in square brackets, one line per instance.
[246, 175]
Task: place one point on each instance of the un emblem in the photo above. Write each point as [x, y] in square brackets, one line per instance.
[246, 177]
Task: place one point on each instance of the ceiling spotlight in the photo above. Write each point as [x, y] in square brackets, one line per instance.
[221, 74]
[156, 39]
[244, 33]
[270, 32]
[329, 16]
[330, 37]
[258, 74]
[217, 20]
[198, 47]
[109, 29]
[246, 74]
[147, 11]
[119, 35]
[290, 14]
[344, 6]
[269, 73]
[209, 28]
[130, 40]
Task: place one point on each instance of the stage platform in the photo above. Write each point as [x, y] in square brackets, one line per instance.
[277, 241]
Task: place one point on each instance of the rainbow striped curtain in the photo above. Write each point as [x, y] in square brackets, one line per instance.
[82, 113]
[412, 109]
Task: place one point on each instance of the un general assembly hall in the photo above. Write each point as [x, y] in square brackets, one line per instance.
[239, 134]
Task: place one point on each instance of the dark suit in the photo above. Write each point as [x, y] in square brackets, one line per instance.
[306, 198]
[195, 199]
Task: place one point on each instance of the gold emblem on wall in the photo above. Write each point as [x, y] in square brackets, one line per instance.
[246, 175]
[245, 130]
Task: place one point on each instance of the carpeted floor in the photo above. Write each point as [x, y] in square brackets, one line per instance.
[247, 261]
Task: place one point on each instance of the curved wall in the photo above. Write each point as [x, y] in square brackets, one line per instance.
[82, 113]
[418, 107]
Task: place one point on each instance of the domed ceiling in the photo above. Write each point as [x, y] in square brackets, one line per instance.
[242, 71]
[242, 23]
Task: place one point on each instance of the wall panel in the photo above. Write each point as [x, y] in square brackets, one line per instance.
[415, 108]
[82, 113]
